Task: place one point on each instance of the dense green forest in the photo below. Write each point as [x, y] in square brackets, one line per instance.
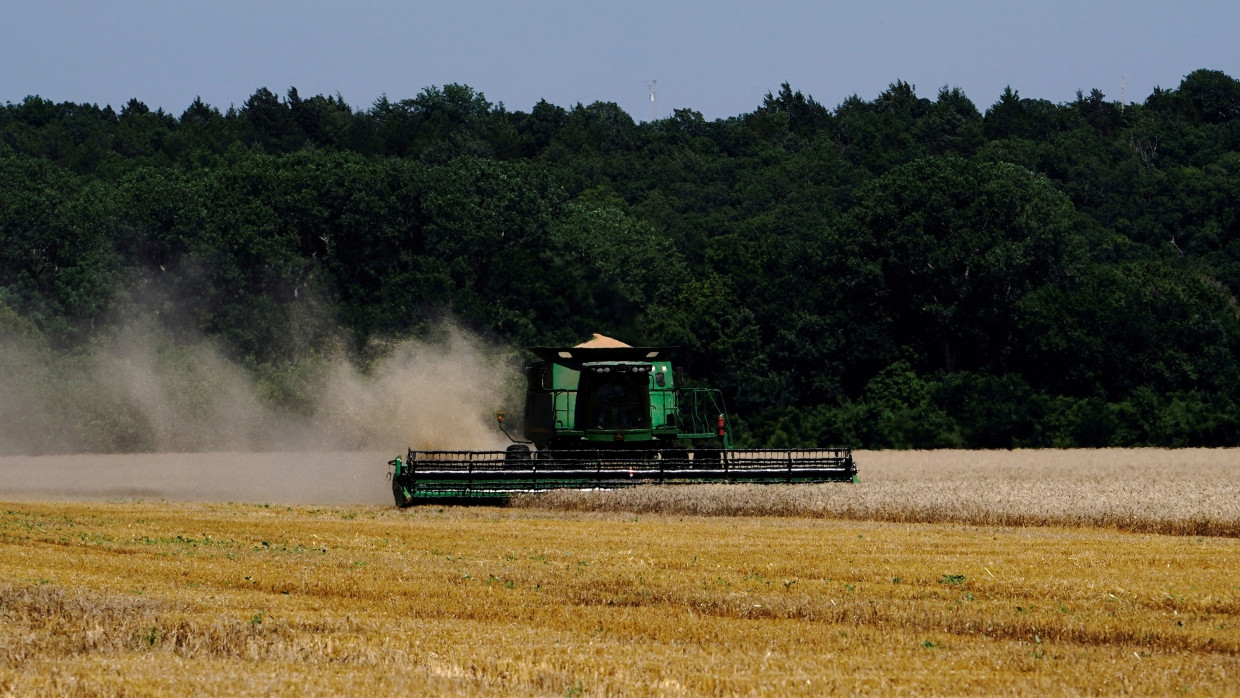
[905, 272]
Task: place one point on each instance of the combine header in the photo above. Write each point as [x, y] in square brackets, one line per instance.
[604, 415]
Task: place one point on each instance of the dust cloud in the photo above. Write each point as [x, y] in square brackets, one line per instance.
[141, 417]
[282, 477]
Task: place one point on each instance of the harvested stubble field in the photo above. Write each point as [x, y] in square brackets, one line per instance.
[173, 598]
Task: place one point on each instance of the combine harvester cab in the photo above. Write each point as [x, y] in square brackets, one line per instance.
[604, 415]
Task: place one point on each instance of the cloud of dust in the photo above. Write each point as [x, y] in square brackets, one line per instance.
[440, 395]
[141, 393]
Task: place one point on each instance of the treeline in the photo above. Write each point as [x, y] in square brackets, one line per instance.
[902, 272]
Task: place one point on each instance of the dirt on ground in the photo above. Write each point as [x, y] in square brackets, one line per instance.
[281, 477]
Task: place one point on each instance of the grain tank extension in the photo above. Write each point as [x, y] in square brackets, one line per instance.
[603, 415]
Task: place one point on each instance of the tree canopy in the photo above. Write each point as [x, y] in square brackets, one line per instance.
[900, 272]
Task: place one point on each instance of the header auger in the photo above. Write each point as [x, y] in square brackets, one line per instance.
[603, 415]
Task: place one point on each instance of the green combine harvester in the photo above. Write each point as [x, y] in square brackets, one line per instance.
[605, 415]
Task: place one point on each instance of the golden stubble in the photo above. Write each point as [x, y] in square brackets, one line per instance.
[162, 598]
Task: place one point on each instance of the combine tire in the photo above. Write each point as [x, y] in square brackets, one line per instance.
[708, 457]
[676, 457]
[517, 454]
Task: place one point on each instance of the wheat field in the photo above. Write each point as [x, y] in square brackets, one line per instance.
[1178, 492]
[168, 598]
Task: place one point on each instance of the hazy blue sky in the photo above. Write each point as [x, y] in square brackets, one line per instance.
[718, 57]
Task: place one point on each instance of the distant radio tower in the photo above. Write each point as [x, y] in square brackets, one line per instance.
[1121, 93]
[654, 100]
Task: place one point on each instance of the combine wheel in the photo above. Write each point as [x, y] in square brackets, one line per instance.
[517, 454]
[707, 456]
[676, 457]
